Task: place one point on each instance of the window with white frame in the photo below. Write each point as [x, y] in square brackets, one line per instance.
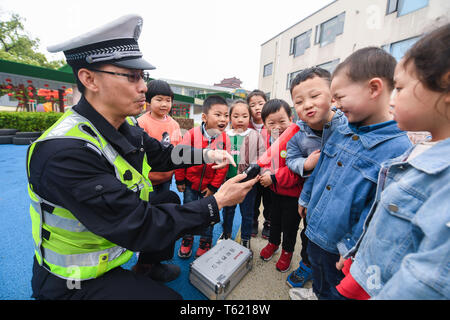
[329, 66]
[327, 31]
[268, 69]
[300, 43]
[399, 48]
[291, 76]
[403, 7]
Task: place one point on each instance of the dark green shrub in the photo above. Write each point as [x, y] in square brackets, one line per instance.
[28, 121]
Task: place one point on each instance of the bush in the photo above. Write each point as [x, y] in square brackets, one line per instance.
[28, 121]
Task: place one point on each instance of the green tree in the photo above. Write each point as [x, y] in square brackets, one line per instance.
[16, 45]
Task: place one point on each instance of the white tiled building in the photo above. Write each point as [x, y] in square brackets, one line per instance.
[329, 35]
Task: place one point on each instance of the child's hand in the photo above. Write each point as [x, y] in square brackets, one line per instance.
[265, 180]
[302, 211]
[340, 263]
[207, 193]
[181, 187]
[311, 161]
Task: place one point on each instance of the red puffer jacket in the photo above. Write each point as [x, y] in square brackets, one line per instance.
[202, 176]
[285, 182]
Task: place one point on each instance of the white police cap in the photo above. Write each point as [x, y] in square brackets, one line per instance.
[114, 43]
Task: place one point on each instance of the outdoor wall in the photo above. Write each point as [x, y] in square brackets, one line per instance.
[365, 24]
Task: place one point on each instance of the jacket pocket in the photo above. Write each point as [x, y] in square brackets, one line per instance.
[368, 169]
[330, 150]
[400, 208]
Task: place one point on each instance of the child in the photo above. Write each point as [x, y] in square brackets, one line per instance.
[341, 189]
[202, 181]
[159, 125]
[239, 131]
[256, 100]
[310, 92]
[284, 185]
[403, 252]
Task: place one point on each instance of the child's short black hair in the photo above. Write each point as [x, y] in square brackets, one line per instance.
[158, 87]
[274, 105]
[212, 100]
[239, 101]
[256, 92]
[310, 73]
[367, 63]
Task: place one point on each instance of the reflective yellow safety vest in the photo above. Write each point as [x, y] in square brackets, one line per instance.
[62, 244]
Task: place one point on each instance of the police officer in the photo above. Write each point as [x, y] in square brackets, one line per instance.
[88, 180]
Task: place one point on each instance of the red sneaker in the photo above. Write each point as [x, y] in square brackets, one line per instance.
[284, 263]
[186, 247]
[268, 251]
[204, 246]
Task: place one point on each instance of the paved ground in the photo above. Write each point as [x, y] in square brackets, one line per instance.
[264, 281]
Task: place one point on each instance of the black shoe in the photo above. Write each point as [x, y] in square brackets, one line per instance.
[224, 236]
[266, 230]
[160, 272]
[255, 229]
[245, 243]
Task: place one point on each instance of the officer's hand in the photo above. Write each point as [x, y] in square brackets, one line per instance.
[221, 157]
[232, 192]
[181, 187]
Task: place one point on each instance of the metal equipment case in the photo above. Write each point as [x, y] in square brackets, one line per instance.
[220, 269]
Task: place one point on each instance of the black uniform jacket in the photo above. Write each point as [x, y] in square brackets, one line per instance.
[69, 173]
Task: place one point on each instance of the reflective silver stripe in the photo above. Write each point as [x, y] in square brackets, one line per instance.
[136, 188]
[63, 223]
[82, 259]
[56, 221]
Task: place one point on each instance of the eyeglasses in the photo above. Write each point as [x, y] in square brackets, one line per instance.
[132, 77]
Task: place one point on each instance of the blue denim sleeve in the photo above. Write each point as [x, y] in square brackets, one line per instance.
[295, 158]
[305, 196]
[424, 274]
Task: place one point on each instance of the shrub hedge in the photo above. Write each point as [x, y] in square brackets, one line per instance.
[28, 121]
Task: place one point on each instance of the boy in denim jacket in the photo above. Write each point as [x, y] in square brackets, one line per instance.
[404, 250]
[340, 191]
[311, 95]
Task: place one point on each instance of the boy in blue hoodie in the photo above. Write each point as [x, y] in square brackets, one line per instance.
[311, 96]
[339, 193]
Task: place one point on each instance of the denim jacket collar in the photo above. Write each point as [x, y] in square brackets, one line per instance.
[372, 138]
[434, 160]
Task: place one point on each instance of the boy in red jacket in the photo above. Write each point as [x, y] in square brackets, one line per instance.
[285, 186]
[202, 181]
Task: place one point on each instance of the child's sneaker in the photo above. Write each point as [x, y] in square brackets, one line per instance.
[302, 294]
[284, 262]
[185, 250]
[203, 247]
[298, 278]
[266, 230]
[268, 251]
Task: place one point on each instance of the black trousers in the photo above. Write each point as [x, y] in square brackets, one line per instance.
[284, 221]
[116, 284]
[263, 194]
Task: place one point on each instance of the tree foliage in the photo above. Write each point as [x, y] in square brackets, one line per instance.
[16, 45]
